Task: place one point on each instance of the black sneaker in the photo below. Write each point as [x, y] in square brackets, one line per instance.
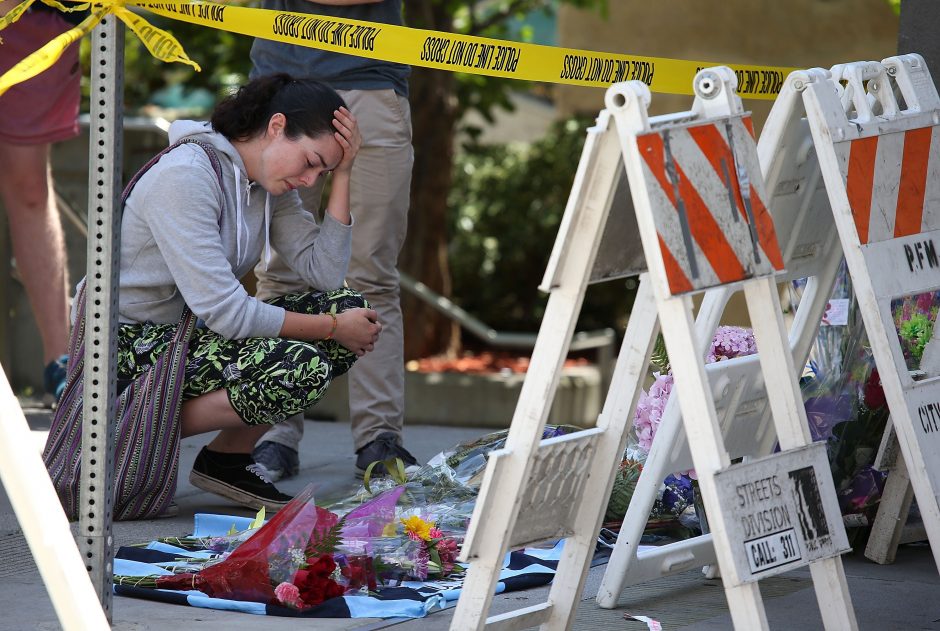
[236, 477]
[386, 446]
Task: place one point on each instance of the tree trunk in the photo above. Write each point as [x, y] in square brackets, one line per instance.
[918, 30]
[424, 256]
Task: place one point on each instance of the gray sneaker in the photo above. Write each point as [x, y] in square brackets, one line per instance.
[279, 461]
[386, 446]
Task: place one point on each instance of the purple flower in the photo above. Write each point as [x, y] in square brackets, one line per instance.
[421, 562]
[730, 342]
[925, 302]
[825, 412]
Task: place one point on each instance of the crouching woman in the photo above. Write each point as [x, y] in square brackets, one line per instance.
[200, 218]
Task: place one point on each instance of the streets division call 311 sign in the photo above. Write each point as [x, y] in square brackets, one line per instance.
[779, 507]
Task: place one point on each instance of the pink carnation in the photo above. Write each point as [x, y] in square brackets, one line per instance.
[435, 533]
[288, 595]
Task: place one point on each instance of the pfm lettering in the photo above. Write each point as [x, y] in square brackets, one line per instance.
[921, 254]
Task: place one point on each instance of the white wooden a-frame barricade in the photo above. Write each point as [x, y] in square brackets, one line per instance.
[44, 523]
[881, 166]
[699, 200]
[810, 249]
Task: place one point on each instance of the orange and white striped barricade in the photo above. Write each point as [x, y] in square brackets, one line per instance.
[44, 522]
[698, 203]
[880, 159]
[810, 249]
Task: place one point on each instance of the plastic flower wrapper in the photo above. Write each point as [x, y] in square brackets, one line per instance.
[293, 547]
[444, 490]
[863, 491]
[220, 544]
[467, 460]
[845, 403]
[356, 563]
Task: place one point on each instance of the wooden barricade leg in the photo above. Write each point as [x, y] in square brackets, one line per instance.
[893, 509]
[525, 469]
[614, 421]
[44, 523]
[890, 528]
[786, 402]
[708, 452]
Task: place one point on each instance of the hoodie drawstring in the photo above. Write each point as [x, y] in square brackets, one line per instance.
[238, 214]
[267, 230]
[241, 227]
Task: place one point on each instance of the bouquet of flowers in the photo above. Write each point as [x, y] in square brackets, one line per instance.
[287, 561]
[844, 401]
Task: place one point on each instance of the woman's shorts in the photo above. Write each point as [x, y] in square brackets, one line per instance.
[43, 109]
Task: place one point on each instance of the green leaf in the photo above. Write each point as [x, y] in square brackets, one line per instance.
[258, 521]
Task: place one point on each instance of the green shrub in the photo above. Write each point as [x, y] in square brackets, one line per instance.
[506, 204]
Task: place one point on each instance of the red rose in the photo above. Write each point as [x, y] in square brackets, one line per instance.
[315, 584]
[872, 392]
[323, 566]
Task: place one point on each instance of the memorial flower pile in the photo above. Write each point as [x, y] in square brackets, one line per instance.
[676, 495]
[845, 404]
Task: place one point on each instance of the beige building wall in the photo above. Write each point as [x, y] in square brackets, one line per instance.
[792, 33]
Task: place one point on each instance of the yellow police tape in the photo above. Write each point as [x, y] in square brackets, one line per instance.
[161, 44]
[434, 49]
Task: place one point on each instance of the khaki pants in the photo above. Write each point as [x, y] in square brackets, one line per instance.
[379, 197]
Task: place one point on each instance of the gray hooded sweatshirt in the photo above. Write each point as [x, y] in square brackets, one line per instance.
[181, 244]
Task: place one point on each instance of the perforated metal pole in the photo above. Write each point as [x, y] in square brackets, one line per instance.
[104, 168]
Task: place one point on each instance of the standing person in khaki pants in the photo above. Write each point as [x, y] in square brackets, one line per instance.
[377, 94]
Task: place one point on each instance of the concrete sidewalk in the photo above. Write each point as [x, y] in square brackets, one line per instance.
[900, 596]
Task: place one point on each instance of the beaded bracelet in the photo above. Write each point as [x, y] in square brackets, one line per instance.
[332, 330]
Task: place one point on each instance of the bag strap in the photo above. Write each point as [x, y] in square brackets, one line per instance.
[210, 152]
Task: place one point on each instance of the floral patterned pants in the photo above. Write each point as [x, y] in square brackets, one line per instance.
[268, 379]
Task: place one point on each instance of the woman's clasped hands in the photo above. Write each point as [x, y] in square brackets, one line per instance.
[358, 330]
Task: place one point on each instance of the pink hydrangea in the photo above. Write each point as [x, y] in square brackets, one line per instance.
[729, 342]
[288, 595]
[649, 410]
